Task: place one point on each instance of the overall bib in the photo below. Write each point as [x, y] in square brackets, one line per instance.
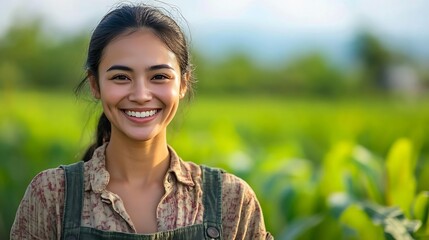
[211, 228]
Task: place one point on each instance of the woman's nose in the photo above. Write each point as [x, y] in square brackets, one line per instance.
[140, 92]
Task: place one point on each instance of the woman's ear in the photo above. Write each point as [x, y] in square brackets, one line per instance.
[95, 89]
[184, 85]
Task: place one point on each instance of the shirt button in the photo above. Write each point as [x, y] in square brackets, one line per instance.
[213, 232]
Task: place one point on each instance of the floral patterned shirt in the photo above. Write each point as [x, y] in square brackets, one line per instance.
[40, 212]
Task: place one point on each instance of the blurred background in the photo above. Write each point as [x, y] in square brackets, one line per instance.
[321, 106]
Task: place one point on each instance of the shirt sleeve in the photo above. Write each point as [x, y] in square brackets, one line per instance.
[39, 214]
[242, 216]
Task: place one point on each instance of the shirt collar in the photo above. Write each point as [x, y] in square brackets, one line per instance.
[96, 168]
[180, 169]
[98, 177]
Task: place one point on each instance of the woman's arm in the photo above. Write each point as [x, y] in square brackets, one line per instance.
[40, 211]
[241, 213]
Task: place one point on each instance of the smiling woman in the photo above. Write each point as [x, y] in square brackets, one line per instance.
[131, 184]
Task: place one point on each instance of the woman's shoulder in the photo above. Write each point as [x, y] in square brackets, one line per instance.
[46, 185]
[48, 177]
[233, 185]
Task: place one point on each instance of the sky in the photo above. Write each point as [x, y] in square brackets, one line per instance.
[266, 29]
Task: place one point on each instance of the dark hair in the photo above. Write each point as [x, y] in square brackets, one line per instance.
[131, 18]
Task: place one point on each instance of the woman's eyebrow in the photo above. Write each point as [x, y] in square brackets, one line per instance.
[120, 67]
[151, 68]
[160, 66]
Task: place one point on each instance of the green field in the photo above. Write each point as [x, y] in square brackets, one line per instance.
[322, 169]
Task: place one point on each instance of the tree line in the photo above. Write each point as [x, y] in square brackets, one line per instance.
[31, 57]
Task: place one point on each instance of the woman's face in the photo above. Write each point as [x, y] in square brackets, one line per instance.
[139, 85]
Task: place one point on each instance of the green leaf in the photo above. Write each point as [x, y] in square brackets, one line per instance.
[393, 220]
[369, 173]
[401, 183]
[420, 211]
[334, 168]
[360, 224]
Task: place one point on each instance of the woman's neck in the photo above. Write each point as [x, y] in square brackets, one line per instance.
[137, 162]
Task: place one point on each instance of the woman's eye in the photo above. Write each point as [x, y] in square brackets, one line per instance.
[159, 77]
[120, 77]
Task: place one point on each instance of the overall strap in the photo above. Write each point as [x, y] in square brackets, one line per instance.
[73, 195]
[212, 200]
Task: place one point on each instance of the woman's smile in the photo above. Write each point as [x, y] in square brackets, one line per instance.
[141, 116]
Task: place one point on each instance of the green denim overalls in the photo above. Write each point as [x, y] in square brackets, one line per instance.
[211, 228]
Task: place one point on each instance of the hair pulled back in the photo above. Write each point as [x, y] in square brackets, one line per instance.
[124, 19]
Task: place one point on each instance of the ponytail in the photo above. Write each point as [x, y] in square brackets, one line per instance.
[103, 135]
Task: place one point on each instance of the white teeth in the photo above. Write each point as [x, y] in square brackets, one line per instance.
[141, 114]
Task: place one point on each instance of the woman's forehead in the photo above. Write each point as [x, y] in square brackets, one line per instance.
[139, 47]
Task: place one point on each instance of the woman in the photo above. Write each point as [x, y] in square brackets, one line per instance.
[132, 185]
